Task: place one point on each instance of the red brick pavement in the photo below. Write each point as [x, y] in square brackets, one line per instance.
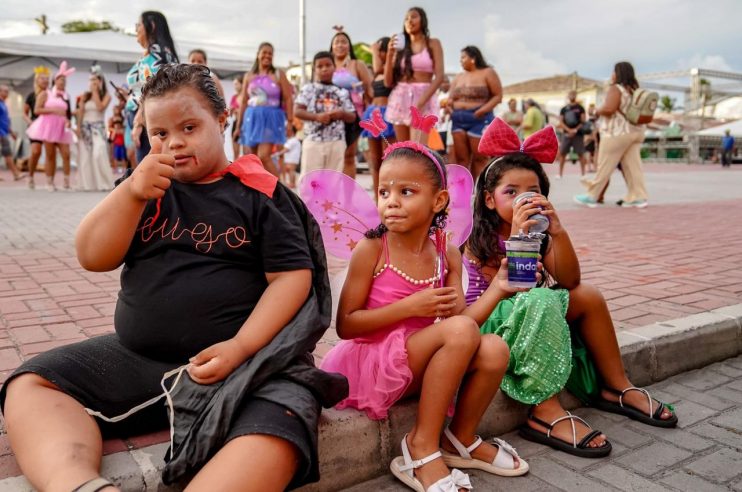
[655, 264]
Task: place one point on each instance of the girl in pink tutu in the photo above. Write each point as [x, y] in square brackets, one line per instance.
[403, 335]
[52, 127]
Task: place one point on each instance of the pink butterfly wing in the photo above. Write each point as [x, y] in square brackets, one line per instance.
[343, 209]
[416, 117]
[371, 127]
[460, 189]
[424, 123]
[378, 119]
[429, 121]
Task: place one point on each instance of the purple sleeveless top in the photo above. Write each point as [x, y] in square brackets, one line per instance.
[264, 91]
[478, 283]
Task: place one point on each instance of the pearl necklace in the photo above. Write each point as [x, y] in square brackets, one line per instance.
[411, 280]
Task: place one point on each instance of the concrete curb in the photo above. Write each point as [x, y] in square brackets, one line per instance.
[354, 449]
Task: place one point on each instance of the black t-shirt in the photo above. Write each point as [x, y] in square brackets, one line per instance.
[572, 114]
[31, 101]
[192, 278]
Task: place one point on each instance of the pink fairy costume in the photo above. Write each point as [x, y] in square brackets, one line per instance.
[406, 94]
[53, 127]
[376, 365]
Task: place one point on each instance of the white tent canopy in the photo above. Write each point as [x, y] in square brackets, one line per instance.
[735, 127]
[116, 50]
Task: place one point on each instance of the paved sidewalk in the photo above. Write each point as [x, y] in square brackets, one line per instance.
[665, 262]
[655, 264]
[703, 454]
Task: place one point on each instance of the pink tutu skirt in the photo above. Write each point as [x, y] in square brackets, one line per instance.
[50, 128]
[378, 373]
[404, 95]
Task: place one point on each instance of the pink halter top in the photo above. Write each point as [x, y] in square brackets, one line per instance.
[421, 62]
[391, 284]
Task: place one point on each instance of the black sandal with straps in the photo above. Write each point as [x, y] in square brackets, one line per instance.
[581, 449]
[653, 417]
[94, 485]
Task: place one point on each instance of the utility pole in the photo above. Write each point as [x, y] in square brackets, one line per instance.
[302, 40]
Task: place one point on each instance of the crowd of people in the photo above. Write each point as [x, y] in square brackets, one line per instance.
[323, 117]
[225, 277]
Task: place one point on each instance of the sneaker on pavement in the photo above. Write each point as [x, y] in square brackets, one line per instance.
[635, 203]
[585, 200]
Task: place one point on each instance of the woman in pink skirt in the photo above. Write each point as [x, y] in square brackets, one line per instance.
[414, 67]
[53, 126]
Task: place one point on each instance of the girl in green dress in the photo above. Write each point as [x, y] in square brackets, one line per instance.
[536, 323]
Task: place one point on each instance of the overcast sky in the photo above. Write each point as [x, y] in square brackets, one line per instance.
[522, 39]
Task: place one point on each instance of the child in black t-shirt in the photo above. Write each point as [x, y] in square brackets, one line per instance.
[216, 263]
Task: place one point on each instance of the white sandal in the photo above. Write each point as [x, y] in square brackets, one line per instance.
[403, 468]
[503, 464]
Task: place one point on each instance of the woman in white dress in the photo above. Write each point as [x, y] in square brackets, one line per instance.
[94, 164]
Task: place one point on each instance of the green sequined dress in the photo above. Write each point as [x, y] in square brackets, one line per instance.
[533, 325]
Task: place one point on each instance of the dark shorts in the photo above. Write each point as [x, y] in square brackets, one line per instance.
[235, 138]
[119, 153]
[576, 142]
[105, 376]
[352, 132]
[5, 148]
[463, 120]
[33, 141]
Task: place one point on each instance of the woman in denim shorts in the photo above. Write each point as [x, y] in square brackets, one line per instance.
[474, 94]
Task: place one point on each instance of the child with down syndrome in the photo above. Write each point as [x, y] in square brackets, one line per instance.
[224, 281]
[536, 324]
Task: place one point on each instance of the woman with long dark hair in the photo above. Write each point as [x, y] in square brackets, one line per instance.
[153, 34]
[265, 107]
[620, 142]
[414, 69]
[93, 163]
[474, 94]
[352, 75]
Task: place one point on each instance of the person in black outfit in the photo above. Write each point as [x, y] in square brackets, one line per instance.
[217, 264]
[571, 119]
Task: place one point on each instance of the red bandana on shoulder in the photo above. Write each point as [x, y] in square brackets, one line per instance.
[251, 173]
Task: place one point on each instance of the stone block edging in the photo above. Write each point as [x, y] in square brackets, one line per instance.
[354, 449]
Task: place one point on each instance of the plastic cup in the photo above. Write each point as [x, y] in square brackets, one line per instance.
[522, 258]
[542, 221]
[400, 42]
